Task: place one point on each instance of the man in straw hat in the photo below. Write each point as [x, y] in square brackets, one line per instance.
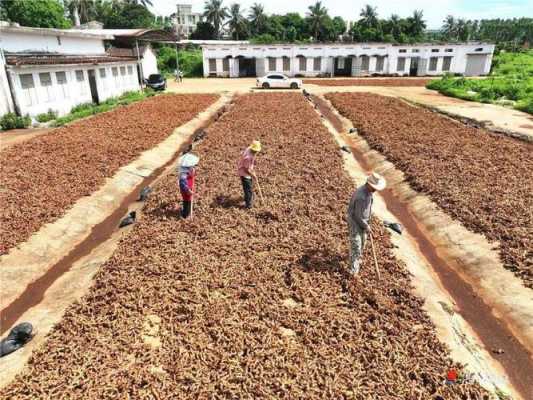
[245, 169]
[187, 176]
[359, 212]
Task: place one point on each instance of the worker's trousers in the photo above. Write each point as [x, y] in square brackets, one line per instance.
[357, 244]
[186, 209]
[247, 187]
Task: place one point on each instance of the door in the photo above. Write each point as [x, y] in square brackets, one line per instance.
[413, 68]
[92, 85]
[475, 64]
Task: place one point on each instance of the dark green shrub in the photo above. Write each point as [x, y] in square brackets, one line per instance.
[47, 116]
[13, 121]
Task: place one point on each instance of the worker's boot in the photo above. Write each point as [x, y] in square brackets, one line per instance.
[354, 269]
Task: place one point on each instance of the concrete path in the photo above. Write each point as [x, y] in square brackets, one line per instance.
[493, 117]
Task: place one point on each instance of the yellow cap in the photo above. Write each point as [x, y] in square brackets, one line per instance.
[256, 146]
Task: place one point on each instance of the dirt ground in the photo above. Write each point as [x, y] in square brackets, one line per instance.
[499, 117]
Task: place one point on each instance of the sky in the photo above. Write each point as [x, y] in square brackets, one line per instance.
[434, 10]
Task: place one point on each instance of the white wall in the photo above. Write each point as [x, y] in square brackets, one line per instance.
[17, 41]
[6, 102]
[458, 53]
[62, 98]
[149, 62]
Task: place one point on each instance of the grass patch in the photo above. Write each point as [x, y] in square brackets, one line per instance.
[87, 109]
[510, 83]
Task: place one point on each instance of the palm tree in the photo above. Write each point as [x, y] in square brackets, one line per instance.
[144, 3]
[258, 19]
[215, 14]
[417, 23]
[449, 27]
[395, 26]
[80, 10]
[317, 15]
[237, 23]
[369, 17]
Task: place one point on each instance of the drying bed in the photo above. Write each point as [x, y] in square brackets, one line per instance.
[42, 177]
[247, 304]
[369, 82]
[480, 178]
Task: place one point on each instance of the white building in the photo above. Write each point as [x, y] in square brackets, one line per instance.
[54, 69]
[186, 20]
[147, 55]
[340, 59]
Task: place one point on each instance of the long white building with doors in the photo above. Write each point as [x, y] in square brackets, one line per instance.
[343, 59]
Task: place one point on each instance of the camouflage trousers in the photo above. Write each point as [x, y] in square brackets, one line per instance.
[357, 245]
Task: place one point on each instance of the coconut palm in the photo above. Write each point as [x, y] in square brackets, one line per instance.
[417, 23]
[215, 14]
[395, 25]
[144, 3]
[258, 19]
[369, 17]
[449, 27]
[237, 24]
[80, 10]
[317, 15]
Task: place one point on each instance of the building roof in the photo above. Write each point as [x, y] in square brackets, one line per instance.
[125, 51]
[18, 59]
[140, 34]
[5, 27]
[220, 43]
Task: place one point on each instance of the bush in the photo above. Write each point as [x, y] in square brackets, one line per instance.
[47, 116]
[13, 121]
[190, 61]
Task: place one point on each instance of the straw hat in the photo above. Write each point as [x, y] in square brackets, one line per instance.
[376, 181]
[256, 146]
[189, 160]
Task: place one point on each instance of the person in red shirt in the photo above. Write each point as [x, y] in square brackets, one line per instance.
[187, 176]
[245, 169]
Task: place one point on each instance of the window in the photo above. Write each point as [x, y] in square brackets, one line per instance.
[479, 49]
[416, 50]
[271, 64]
[46, 83]
[79, 76]
[122, 71]
[279, 77]
[58, 40]
[365, 63]
[403, 50]
[380, 61]
[103, 78]
[212, 65]
[61, 78]
[303, 63]
[340, 63]
[130, 70]
[401, 64]
[286, 63]
[446, 63]
[114, 70]
[26, 81]
[434, 50]
[102, 73]
[433, 63]
[225, 64]
[448, 50]
[317, 63]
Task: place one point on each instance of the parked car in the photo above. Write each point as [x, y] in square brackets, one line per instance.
[278, 81]
[156, 82]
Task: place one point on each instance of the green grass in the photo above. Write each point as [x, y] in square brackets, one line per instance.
[87, 109]
[510, 83]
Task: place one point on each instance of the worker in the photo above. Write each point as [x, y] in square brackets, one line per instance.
[245, 169]
[359, 213]
[187, 176]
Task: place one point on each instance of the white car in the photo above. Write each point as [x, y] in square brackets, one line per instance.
[278, 81]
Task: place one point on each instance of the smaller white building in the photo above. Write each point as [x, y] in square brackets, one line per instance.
[347, 59]
[55, 69]
[146, 54]
[186, 20]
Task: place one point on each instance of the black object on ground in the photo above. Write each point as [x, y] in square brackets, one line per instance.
[396, 227]
[346, 149]
[17, 337]
[144, 193]
[353, 130]
[130, 219]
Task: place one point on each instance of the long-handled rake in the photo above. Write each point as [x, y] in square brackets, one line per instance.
[374, 254]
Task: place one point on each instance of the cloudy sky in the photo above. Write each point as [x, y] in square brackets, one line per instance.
[434, 10]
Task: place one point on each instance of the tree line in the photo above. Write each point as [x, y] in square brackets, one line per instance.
[256, 25]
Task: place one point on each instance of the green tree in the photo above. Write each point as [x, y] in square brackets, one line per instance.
[128, 16]
[316, 18]
[416, 24]
[257, 19]
[237, 24]
[295, 27]
[36, 13]
[449, 28]
[204, 31]
[144, 3]
[215, 14]
[80, 11]
[369, 17]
